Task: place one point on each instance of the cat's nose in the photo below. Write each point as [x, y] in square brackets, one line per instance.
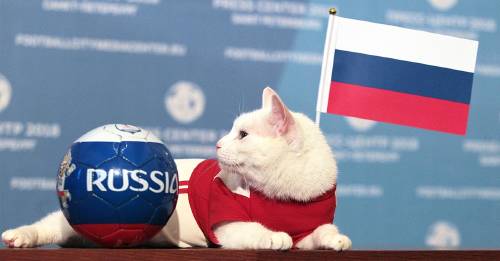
[218, 146]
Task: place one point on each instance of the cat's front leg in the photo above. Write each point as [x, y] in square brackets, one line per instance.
[326, 236]
[52, 229]
[251, 235]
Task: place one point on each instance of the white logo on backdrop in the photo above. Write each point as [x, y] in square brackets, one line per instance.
[443, 5]
[185, 102]
[5, 92]
[443, 235]
[360, 125]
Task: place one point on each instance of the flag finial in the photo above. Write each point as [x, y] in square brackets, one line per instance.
[332, 11]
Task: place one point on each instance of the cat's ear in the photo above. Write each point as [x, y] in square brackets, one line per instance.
[280, 117]
[267, 94]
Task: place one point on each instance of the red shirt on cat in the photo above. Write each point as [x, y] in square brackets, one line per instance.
[212, 203]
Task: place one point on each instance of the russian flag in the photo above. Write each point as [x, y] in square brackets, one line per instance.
[397, 75]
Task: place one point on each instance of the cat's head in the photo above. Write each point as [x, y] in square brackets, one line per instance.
[278, 152]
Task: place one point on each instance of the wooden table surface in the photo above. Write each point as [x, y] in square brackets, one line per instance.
[70, 254]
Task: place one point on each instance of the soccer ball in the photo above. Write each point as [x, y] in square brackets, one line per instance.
[117, 185]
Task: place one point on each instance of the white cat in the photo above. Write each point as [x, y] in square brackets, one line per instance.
[271, 156]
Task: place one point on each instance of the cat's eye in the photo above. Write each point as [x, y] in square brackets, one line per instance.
[243, 134]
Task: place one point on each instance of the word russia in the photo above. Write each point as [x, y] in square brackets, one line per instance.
[139, 181]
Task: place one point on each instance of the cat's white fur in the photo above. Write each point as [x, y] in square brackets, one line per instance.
[284, 155]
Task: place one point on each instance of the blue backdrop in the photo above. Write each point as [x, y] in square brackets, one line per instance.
[185, 69]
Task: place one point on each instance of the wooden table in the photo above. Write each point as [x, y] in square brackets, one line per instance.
[70, 254]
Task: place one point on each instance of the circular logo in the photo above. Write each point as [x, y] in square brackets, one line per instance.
[360, 125]
[5, 92]
[443, 5]
[443, 235]
[185, 102]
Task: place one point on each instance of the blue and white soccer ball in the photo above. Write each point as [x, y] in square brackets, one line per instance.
[118, 185]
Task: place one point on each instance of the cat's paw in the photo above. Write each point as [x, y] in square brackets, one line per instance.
[336, 242]
[20, 237]
[276, 241]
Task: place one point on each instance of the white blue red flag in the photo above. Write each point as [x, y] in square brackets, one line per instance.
[397, 75]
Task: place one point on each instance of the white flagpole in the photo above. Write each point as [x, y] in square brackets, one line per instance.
[324, 66]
